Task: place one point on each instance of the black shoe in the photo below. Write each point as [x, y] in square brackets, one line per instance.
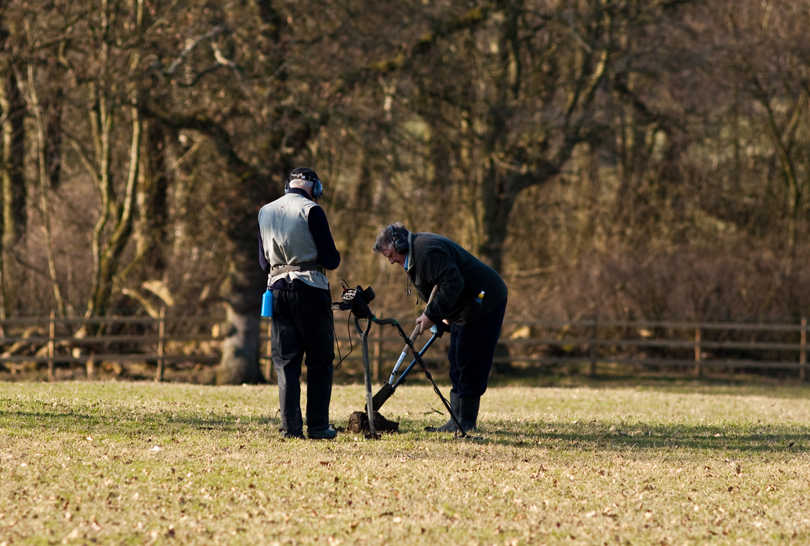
[450, 425]
[285, 434]
[326, 434]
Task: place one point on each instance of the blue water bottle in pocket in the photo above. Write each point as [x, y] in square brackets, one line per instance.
[267, 303]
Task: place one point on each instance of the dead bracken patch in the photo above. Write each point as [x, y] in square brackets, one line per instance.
[358, 423]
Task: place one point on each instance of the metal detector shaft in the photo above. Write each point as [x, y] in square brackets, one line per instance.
[367, 374]
[406, 371]
[401, 358]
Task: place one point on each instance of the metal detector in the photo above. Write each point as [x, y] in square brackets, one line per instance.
[357, 300]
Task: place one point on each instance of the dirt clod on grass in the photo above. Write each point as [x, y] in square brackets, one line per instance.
[358, 423]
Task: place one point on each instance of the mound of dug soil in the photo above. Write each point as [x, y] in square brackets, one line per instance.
[358, 423]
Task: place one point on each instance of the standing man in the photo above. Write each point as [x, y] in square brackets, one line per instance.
[295, 250]
[471, 298]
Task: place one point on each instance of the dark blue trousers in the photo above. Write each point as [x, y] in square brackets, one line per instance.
[302, 325]
[472, 348]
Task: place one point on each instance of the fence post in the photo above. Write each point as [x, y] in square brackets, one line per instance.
[698, 370]
[161, 343]
[51, 344]
[268, 368]
[803, 350]
[375, 370]
[594, 338]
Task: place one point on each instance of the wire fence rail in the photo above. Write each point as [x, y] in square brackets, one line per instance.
[182, 340]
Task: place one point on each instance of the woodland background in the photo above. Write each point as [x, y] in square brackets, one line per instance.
[639, 159]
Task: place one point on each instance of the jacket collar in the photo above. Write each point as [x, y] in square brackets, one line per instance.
[299, 191]
[409, 260]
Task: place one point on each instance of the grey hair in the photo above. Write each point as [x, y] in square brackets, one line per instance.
[303, 184]
[385, 239]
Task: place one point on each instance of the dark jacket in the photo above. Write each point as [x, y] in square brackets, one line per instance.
[437, 260]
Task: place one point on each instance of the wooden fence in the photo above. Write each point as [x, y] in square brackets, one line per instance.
[121, 339]
[196, 340]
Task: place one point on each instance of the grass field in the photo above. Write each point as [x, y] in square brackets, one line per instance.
[139, 463]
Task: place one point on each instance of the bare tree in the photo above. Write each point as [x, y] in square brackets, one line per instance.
[12, 110]
[768, 54]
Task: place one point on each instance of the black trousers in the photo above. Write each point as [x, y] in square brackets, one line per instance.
[303, 325]
[472, 348]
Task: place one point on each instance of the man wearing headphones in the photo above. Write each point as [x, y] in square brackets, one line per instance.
[295, 250]
[471, 299]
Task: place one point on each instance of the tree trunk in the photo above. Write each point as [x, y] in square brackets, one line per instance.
[109, 257]
[44, 187]
[14, 192]
[497, 203]
[240, 350]
[54, 138]
[150, 233]
[242, 291]
[14, 213]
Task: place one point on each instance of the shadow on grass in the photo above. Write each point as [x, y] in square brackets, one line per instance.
[596, 436]
[143, 423]
[762, 438]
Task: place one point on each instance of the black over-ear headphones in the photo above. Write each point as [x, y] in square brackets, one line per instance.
[398, 240]
[306, 174]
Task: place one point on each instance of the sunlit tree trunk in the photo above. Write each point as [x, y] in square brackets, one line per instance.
[44, 186]
[13, 191]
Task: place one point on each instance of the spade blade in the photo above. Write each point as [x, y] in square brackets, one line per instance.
[382, 396]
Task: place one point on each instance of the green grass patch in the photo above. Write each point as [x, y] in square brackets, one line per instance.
[140, 463]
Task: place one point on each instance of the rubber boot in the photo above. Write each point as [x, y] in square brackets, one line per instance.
[468, 412]
[450, 425]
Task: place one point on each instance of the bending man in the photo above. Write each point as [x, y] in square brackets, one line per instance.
[471, 298]
[295, 250]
